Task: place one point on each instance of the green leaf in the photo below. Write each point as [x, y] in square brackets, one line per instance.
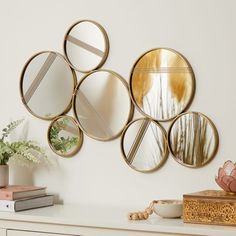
[10, 127]
[60, 143]
[26, 150]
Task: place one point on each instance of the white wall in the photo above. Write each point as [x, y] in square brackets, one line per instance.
[204, 31]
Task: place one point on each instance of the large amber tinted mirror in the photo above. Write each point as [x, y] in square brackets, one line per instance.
[193, 139]
[64, 136]
[144, 145]
[86, 45]
[162, 84]
[102, 105]
[47, 84]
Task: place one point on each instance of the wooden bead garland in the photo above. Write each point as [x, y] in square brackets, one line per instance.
[142, 215]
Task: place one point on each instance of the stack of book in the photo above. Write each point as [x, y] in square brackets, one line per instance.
[18, 198]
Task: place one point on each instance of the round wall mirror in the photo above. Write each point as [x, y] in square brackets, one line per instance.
[162, 84]
[64, 136]
[193, 139]
[144, 145]
[47, 84]
[86, 45]
[102, 105]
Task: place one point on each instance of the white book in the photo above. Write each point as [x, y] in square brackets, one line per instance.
[26, 203]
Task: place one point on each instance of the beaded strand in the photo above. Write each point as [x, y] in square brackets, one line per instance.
[142, 215]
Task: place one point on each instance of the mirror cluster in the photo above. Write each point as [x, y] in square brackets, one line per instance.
[161, 86]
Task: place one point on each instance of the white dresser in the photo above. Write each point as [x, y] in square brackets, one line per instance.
[62, 220]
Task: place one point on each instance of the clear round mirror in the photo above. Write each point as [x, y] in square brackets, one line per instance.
[144, 145]
[47, 84]
[102, 104]
[162, 84]
[64, 136]
[86, 45]
[193, 139]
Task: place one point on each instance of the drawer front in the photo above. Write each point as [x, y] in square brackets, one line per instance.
[97, 232]
[3, 232]
[29, 233]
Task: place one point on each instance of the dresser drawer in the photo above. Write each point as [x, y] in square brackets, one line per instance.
[98, 232]
[30, 233]
[3, 232]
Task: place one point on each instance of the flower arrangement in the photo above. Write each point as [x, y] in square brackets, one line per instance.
[226, 178]
[24, 152]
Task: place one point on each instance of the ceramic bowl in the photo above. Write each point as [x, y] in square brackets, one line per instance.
[168, 208]
[226, 178]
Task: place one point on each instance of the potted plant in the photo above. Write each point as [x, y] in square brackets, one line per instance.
[22, 151]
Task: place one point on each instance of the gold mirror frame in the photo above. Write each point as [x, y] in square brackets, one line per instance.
[80, 136]
[106, 41]
[142, 130]
[68, 107]
[187, 69]
[214, 132]
[130, 115]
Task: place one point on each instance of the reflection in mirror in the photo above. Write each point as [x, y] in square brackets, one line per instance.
[144, 145]
[102, 105]
[193, 139]
[64, 136]
[47, 84]
[162, 84]
[86, 45]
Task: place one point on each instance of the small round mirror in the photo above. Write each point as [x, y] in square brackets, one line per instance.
[144, 145]
[162, 84]
[102, 105]
[64, 136]
[86, 46]
[47, 84]
[193, 139]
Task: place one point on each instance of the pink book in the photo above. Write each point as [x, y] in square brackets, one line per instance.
[15, 192]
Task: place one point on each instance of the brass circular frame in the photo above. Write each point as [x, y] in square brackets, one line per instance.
[106, 40]
[131, 112]
[193, 84]
[81, 137]
[215, 132]
[166, 146]
[68, 107]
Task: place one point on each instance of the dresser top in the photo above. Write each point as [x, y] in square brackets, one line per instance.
[112, 218]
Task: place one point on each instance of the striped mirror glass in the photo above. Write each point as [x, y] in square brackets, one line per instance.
[144, 145]
[47, 84]
[64, 136]
[162, 84]
[102, 105]
[86, 45]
